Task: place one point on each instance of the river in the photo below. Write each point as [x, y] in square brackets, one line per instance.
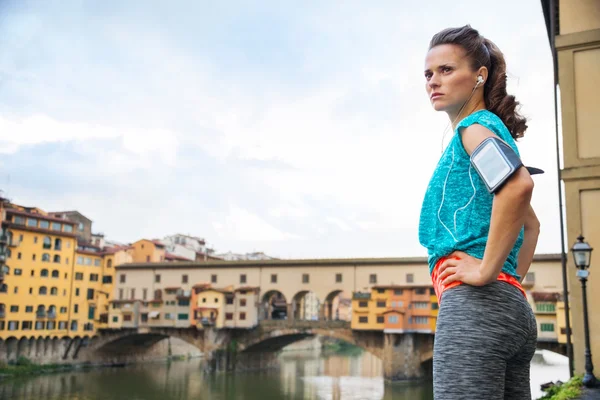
[305, 375]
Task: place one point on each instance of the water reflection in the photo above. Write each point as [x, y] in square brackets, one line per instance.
[301, 375]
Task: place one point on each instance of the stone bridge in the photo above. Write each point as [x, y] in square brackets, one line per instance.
[405, 356]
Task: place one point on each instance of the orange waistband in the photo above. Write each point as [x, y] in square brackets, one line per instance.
[437, 284]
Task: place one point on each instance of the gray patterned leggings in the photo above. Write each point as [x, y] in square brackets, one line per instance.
[484, 342]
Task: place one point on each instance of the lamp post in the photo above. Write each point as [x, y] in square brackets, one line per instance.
[582, 254]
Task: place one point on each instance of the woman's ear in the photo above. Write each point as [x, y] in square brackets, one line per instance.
[483, 72]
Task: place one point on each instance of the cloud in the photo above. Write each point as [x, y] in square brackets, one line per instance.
[303, 131]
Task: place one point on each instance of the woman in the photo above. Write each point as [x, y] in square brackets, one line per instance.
[480, 244]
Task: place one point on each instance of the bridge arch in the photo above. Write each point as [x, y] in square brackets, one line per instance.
[274, 305]
[306, 305]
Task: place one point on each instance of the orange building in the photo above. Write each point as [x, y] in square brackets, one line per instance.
[145, 250]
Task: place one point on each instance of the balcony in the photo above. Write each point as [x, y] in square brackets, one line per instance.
[40, 314]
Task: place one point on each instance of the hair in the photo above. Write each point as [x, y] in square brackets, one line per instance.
[484, 53]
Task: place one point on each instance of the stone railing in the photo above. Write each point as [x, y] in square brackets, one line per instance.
[304, 324]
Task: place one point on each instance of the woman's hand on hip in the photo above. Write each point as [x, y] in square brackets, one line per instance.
[462, 267]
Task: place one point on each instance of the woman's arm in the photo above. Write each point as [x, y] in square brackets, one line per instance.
[530, 238]
[509, 208]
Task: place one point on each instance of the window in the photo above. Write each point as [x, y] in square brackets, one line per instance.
[242, 302]
[63, 310]
[420, 291]
[44, 273]
[32, 222]
[157, 278]
[115, 319]
[228, 316]
[530, 277]
[305, 278]
[363, 304]
[78, 276]
[94, 277]
[54, 291]
[398, 292]
[120, 294]
[127, 317]
[39, 325]
[242, 316]
[18, 255]
[380, 303]
[380, 319]
[33, 257]
[363, 320]
[87, 261]
[184, 279]
[76, 308]
[273, 278]
[545, 307]
[67, 228]
[16, 290]
[434, 306]
[43, 290]
[18, 271]
[50, 325]
[420, 320]
[26, 326]
[122, 278]
[19, 220]
[338, 278]
[183, 302]
[67, 260]
[410, 278]
[28, 309]
[147, 258]
[91, 312]
[62, 325]
[56, 226]
[55, 273]
[80, 260]
[242, 278]
[229, 300]
[107, 279]
[76, 291]
[57, 244]
[547, 327]
[421, 305]
[182, 317]
[213, 278]
[44, 224]
[144, 293]
[373, 278]
[393, 319]
[45, 257]
[80, 227]
[90, 294]
[133, 294]
[97, 262]
[14, 308]
[73, 325]
[13, 325]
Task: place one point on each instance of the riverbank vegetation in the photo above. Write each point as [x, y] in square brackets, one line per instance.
[340, 347]
[24, 366]
[566, 391]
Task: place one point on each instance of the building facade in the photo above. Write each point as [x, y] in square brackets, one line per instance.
[574, 33]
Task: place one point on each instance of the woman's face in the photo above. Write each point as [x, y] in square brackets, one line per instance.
[450, 79]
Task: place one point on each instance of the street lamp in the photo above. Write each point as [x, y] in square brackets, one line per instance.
[582, 254]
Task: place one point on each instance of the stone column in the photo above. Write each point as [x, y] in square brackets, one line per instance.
[402, 356]
[290, 311]
[323, 312]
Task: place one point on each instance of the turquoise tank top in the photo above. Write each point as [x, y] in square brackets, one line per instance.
[457, 207]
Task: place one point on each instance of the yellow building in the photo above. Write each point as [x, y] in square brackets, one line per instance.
[35, 292]
[145, 250]
[54, 285]
[574, 31]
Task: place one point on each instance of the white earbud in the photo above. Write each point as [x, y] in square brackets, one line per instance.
[480, 79]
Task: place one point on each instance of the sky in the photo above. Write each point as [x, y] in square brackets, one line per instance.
[300, 129]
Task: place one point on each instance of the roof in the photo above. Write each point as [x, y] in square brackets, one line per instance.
[14, 226]
[175, 257]
[153, 241]
[316, 262]
[393, 310]
[70, 213]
